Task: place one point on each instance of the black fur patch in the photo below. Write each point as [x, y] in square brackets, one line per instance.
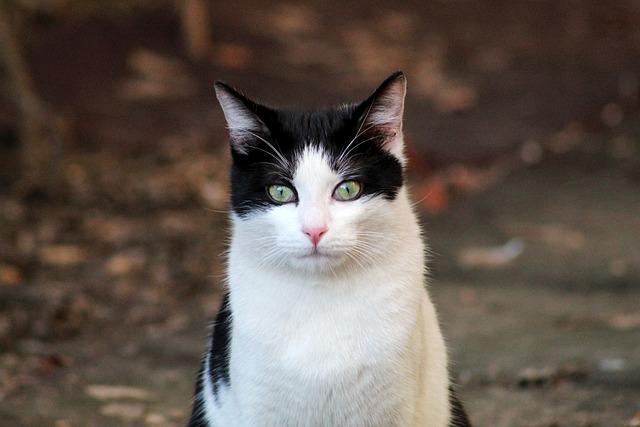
[219, 352]
[197, 414]
[459, 416]
[290, 132]
[218, 356]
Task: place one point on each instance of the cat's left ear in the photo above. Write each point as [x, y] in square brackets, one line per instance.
[242, 115]
[381, 114]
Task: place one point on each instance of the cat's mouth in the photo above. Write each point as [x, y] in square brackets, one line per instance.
[315, 252]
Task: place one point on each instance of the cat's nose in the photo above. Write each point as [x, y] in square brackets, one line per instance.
[315, 233]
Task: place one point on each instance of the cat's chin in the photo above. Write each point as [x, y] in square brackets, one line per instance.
[316, 262]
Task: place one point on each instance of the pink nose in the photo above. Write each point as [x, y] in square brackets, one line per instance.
[315, 233]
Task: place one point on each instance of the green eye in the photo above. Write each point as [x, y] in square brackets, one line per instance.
[347, 190]
[281, 193]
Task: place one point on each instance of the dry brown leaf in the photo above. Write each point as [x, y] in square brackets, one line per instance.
[233, 56]
[625, 321]
[455, 98]
[125, 263]
[551, 234]
[125, 411]
[634, 422]
[115, 392]
[157, 77]
[433, 196]
[10, 275]
[62, 255]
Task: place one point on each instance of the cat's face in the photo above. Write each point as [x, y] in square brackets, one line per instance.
[314, 191]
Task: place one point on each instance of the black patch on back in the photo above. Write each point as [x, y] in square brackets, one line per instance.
[197, 414]
[219, 351]
[459, 416]
[290, 132]
[218, 357]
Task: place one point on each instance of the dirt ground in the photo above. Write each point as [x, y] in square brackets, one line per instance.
[524, 141]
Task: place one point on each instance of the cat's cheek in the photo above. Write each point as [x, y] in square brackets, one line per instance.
[281, 227]
[281, 219]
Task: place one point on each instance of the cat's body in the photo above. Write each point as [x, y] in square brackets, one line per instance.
[327, 321]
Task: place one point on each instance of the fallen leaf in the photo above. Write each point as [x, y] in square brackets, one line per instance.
[615, 364]
[625, 321]
[156, 419]
[62, 255]
[491, 256]
[612, 114]
[292, 20]
[567, 138]
[157, 77]
[552, 234]
[433, 196]
[468, 179]
[215, 194]
[233, 56]
[455, 98]
[125, 411]
[633, 422]
[10, 275]
[125, 263]
[116, 392]
[540, 377]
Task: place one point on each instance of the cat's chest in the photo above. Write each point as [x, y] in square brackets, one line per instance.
[328, 375]
[324, 323]
[321, 335]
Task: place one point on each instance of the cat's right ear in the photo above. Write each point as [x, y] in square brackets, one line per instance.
[242, 118]
[381, 115]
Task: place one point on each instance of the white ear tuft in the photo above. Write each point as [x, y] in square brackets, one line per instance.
[384, 111]
[388, 104]
[242, 120]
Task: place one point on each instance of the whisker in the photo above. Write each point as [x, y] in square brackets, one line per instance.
[347, 148]
[277, 158]
[346, 153]
[281, 159]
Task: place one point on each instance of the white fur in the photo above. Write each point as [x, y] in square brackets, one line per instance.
[241, 122]
[386, 113]
[346, 336]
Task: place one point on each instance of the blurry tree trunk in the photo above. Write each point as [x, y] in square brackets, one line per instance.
[41, 131]
[196, 28]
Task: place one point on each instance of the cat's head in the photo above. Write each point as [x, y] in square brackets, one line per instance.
[315, 191]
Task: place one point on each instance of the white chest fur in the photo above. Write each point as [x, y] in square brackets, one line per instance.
[346, 349]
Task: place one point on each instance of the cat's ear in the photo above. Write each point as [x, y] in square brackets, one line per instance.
[243, 122]
[381, 114]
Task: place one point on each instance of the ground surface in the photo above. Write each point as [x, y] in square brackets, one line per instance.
[525, 147]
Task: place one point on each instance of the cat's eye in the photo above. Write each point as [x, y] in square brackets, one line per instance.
[347, 190]
[281, 193]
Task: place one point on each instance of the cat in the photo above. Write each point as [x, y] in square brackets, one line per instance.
[326, 320]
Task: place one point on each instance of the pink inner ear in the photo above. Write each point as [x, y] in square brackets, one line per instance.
[243, 124]
[387, 106]
[385, 115]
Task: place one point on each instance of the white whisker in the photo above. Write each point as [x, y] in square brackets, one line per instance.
[348, 148]
[278, 154]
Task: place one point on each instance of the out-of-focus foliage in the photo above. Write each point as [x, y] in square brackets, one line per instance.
[79, 8]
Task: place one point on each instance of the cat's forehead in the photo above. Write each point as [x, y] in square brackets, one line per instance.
[314, 171]
[329, 128]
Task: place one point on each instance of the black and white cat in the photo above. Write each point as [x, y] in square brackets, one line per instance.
[327, 321]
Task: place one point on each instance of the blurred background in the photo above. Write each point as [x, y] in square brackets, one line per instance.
[523, 133]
